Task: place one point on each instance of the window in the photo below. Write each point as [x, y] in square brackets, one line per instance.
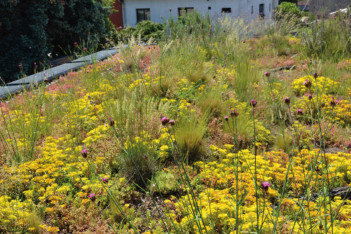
[143, 14]
[226, 10]
[185, 10]
[261, 9]
[251, 10]
[209, 8]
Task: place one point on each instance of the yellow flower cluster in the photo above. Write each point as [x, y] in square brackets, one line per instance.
[145, 81]
[325, 85]
[13, 213]
[216, 204]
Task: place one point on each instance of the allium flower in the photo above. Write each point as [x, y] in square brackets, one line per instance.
[265, 185]
[85, 153]
[307, 83]
[299, 111]
[112, 123]
[253, 103]
[172, 122]
[105, 180]
[287, 101]
[226, 117]
[92, 196]
[164, 120]
[234, 113]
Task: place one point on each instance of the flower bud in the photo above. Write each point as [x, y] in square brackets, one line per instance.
[234, 113]
[92, 196]
[85, 153]
[111, 123]
[287, 101]
[307, 83]
[164, 120]
[265, 185]
[253, 103]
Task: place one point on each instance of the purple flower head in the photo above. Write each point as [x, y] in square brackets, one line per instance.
[265, 185]
[234, 113]
[92, 196]
[267, 74]
[75, 43]
[307, 83]
[105, 180]
[85, 153]
[253, 103]
[170, 10]
[315, 75]
[85, 49]
[299, 111]
[244, 41]
[287, 101]
[226, 117]
[172, 122]
[164, 120]
[19, 65]
[112, 122]
[309, 96]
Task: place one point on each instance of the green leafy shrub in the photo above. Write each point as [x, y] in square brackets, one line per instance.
[147, 29]
[287, 8]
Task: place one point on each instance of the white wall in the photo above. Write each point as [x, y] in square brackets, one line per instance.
[160, 8]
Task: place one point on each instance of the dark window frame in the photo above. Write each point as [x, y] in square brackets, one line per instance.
[146, 12]
[226, 10]
[187, 10]
[261, 8]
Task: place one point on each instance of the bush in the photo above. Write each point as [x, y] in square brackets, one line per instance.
[147, 29]
[287, 8]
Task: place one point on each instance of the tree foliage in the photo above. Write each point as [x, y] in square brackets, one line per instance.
[29, 30]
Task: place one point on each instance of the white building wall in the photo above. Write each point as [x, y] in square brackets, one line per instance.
[161, 8]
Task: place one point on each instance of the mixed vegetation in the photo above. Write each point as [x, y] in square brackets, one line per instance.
[210, 131]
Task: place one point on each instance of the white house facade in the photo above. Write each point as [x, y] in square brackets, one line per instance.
[155, 10]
